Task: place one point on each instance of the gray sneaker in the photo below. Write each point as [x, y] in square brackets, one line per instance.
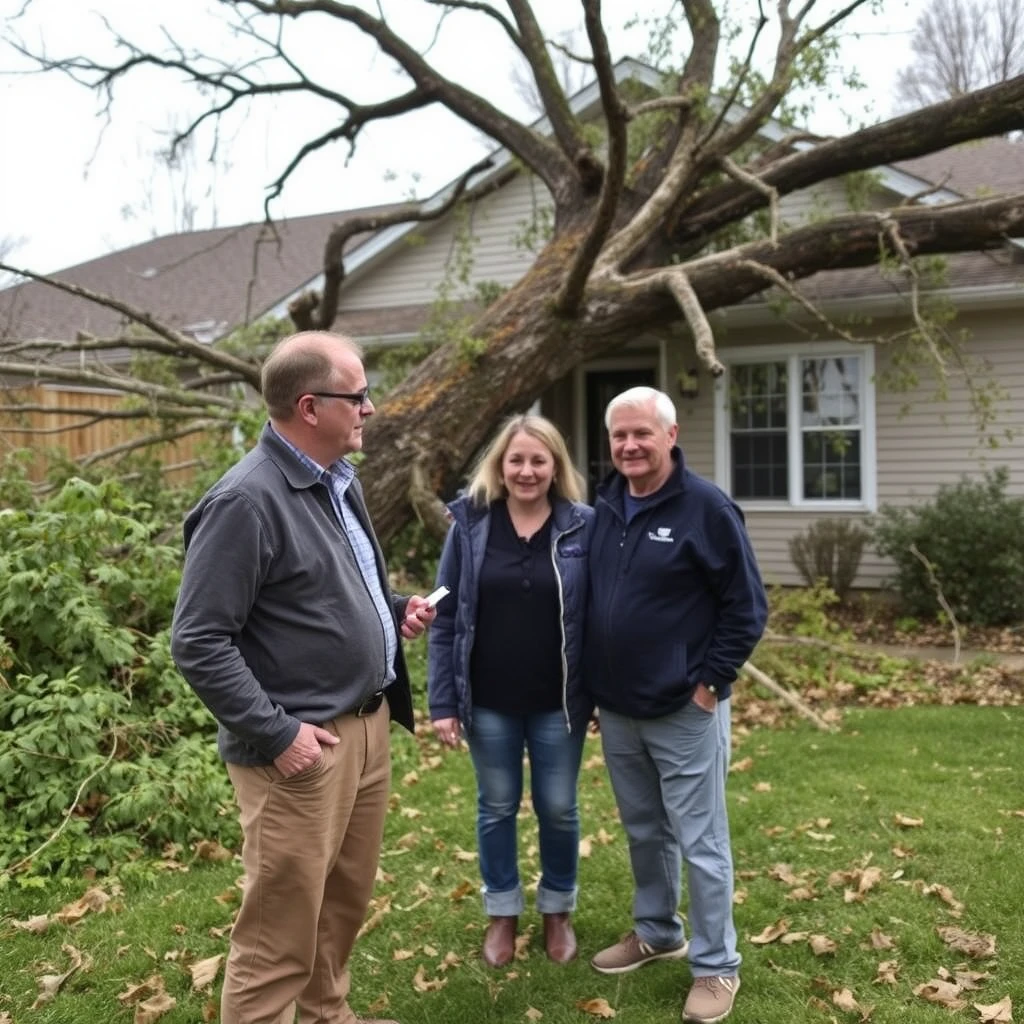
[710, 1000]
[632, 952]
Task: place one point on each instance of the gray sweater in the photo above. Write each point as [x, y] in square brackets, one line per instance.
[274, 625]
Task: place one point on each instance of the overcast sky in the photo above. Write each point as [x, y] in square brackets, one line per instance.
[73, 187]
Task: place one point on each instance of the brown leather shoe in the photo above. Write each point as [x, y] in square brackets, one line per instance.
[559, 938]
[500, 941]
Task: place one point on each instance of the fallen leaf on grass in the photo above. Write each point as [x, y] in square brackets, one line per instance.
[422, 983]
[37, 925]
[209, 849]
[791, 938]
[585, 847]
[879, 940]
[153, 1009]
[94, 900]
[449, 960]
[968, 980]
[945, 993]
[51, 984]
[402, 954]
[845, 1001]
[770, 933]
[763, 787]
[783, 873]
[204, 972]
[822, 945]
[461, 891]
[382, 1002]
[382, 907]
[522, 944]
[143, 990]
[995, 1013]
[465, 855]
[975, 944]
[532, 1013]
[887, 971]
[596, 1008]
[801, 892]
[905, 821]
[410, 778]
[742, 766]
[946, 895]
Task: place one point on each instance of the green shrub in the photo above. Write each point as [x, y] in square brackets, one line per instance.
[103, 746]
[829, 550]
[972, 534]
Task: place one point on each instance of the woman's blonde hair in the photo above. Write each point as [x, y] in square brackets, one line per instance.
[485, 485]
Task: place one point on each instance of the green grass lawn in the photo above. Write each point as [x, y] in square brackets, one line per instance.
[813, 816]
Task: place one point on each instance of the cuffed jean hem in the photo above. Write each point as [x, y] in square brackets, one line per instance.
[503, 904]
[551, 901]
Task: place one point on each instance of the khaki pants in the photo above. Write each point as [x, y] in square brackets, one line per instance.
[311, 849]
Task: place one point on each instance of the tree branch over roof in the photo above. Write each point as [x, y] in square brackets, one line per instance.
[313, 311]
[176, 342]
[991, 111]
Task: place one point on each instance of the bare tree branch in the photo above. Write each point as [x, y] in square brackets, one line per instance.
[537, 153]
[181, 344]
[317, 312]
[615, 116]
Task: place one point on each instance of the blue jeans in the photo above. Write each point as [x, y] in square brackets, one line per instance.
[668, 775]
[496, 743]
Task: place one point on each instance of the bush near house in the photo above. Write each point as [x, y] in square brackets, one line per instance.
[968, 541]
[829, 550]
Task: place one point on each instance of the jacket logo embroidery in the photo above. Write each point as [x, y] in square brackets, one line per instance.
[663, 535]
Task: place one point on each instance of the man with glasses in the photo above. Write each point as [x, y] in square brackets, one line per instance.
[286, 628]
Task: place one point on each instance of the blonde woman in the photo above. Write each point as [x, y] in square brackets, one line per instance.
[504, 667]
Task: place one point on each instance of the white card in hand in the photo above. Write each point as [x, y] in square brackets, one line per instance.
[436, 596]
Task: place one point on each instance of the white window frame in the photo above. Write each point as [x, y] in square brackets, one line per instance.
[791, 355]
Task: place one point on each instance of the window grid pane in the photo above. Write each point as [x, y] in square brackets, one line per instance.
[759, 420]
[831, 464]
[830, 421]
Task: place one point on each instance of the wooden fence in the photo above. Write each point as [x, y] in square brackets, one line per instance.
[75, 429]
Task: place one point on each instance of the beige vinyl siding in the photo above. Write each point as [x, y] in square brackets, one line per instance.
[411, 274]
[929, 443]
[810, 204]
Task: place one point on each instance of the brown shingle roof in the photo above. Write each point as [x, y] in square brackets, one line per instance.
[201, 282]
[982, 167]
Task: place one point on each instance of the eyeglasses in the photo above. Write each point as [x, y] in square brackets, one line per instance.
[357, 398]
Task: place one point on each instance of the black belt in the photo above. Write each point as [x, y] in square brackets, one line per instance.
[369, 705]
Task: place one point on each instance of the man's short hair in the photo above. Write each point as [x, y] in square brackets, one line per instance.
[297, 365]
[635, 398]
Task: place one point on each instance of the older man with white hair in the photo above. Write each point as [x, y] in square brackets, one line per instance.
[676, 606]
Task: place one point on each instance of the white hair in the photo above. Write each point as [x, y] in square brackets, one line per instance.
[637, 397]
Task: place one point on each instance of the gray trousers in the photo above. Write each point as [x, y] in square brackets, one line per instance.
[668, 775]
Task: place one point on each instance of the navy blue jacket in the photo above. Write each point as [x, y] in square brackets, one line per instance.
[450, 637]
[676, 597]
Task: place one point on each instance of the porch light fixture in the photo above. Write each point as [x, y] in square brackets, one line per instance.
[689, 383]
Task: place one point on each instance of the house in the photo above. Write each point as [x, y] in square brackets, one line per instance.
[805, 423]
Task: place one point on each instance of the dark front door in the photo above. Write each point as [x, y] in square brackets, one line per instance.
[601, 387]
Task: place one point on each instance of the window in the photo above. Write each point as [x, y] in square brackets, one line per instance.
[798, 429]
